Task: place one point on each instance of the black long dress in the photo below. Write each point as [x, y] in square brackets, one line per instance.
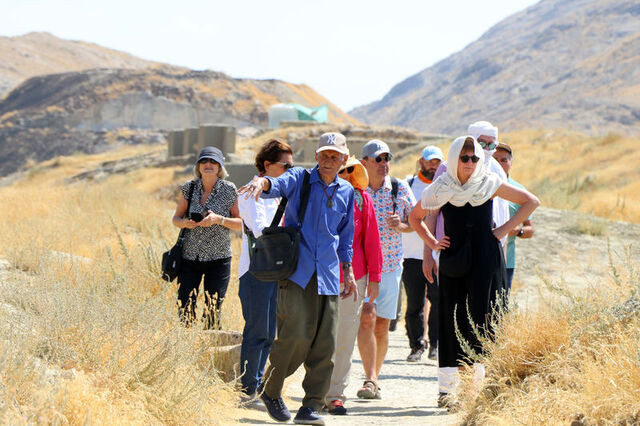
[478, 288]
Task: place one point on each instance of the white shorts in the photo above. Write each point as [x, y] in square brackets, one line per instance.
[387, 300]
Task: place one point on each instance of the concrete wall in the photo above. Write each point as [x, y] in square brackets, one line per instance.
[222, 137]
[190, 145]
[175, 141]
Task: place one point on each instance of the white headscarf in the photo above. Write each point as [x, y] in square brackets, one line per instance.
[480, 187]
[484, 128]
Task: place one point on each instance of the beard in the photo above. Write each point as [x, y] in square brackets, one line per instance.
[429, 174]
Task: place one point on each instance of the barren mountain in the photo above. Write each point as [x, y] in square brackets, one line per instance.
[558, 64]
[43, 53]
[89, 111]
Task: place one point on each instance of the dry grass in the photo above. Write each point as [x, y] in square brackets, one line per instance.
[89, 332]
[576, 359]
[568, 170]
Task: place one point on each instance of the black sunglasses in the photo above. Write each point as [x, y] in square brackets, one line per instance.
[348, 169]
[207, 160]
[379, 158]
[466, 158]
[491, 145]
[286, 166]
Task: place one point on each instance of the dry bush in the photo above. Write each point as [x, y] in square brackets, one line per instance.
[576, 359]
[89, 331]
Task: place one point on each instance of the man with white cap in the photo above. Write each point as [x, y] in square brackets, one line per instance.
[414, 280]
[486, 135]
[392, 202]
[307, 311]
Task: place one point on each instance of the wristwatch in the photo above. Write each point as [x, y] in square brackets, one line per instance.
[521, 231]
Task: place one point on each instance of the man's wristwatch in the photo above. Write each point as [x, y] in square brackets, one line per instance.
[521, 232]
[346, 265]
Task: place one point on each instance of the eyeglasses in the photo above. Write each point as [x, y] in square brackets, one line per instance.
[466, 158]
[379, 158]
[207, 160]
[286, 166]
[348, 170]
[489, 145]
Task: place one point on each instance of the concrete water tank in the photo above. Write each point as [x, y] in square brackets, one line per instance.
[222, 137]
[175, 141]
[281, 112]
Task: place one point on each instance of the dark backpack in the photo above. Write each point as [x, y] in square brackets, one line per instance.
[172, 259]
[274, 255]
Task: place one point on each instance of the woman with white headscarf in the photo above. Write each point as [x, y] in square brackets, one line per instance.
[471, 271]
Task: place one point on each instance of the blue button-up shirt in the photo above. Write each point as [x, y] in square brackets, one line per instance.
[327, 232]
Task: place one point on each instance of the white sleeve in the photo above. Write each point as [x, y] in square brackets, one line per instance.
[253, 214]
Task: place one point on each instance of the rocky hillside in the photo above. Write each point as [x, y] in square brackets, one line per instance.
[43, 53]
[89, 111]
[558, 64]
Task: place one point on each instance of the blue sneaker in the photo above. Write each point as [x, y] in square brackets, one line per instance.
[308, 416]
[276, 408]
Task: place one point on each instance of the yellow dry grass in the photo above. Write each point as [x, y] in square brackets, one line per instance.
[89, 331]
[568, 170]
[575, 359]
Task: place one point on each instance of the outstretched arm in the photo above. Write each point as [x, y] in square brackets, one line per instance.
[528, 203]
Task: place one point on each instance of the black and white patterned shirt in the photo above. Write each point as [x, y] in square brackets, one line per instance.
[214, 242]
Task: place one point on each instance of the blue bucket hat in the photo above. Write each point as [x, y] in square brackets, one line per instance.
[213, 153]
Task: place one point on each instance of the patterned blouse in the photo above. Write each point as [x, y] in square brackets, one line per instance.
[214, 242]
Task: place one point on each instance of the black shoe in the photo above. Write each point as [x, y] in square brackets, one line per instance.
[392, 325]
[336, 408]
[433, 352]
[308, 416]
[276, 408]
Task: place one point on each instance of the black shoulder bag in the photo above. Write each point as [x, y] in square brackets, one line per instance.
[172, 259]
[457, 265]
[274, 255]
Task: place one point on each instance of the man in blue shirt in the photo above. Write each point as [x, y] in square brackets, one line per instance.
[307, 311]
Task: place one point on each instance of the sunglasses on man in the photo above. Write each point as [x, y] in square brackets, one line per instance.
[379, 158]
[466, 158]
[487, 145]
[348, 170]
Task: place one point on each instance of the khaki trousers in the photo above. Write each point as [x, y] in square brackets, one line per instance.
[348, 325]
[306, 323]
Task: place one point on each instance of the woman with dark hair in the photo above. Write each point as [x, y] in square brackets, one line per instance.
[258, 298]
[213, 211]
[471, 271]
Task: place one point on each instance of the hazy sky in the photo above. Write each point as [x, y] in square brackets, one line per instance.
[352, 52]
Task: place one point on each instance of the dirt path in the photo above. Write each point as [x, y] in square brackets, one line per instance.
[409, 392]
[569, 249]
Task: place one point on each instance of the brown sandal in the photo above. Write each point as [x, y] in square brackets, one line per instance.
[369, 390]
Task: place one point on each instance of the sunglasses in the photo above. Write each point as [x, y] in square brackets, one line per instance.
[207, 160]
[466, 158]
[380, 158]
[491, 145]
[286, 166]
[348, 169]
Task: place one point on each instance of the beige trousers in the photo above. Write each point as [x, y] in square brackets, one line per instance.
[348, 325]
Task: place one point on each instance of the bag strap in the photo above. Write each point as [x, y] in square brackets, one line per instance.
[304, 197]
[411, 181]
[394, 192]
[184, 230]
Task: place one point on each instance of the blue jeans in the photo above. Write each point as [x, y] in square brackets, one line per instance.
[510, 272]
[258, 300]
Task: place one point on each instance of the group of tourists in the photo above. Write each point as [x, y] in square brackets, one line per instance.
[448, 233]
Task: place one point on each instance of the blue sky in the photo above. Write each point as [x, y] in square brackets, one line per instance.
[352, 52]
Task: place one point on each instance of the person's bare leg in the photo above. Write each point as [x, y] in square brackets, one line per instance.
[381, 332]
[427, 307]
[367, 340]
